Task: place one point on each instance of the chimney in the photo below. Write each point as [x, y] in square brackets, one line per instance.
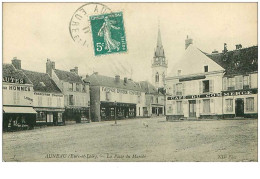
[16, 63]
[117, 78]
[188, 41]
[238, 46]
[225, 48]
[125, 79]
[76, 70]
[49, 67]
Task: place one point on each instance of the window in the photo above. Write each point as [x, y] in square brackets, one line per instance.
[205, 86]
[16, 97]
[49, 117]
[246, 82]
[42, 84]
[206, 106]
[41, 117]
[231, 83]
[239, 82]
[157, 100]
[229, 105]
[179, 107]
[49, 101]
[163, 77]
[250, 104]
[179, 89]
[39, 100]
[151, 99]
[77, 87]
[157, 77]
[71, 101]
[70, 86]
[206, 68]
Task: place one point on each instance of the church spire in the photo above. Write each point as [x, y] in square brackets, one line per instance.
[159, 52]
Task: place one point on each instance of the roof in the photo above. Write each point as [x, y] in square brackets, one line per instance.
[100, 80]
[148, 88]
[68, 76]
[193, 61]
[42, 82]
[239, 61]
[10, 71]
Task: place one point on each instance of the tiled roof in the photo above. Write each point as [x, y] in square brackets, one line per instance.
[10, 71]
[239, 61]
[148, 88]
[100, 80]
[68, 76]
[42, 82]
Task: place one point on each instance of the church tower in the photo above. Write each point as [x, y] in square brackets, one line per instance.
[159, 64]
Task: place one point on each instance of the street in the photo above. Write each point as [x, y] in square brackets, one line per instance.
[143, 139]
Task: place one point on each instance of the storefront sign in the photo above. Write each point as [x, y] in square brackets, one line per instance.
[9, 79]
[123, 91]
[210, 95]
[30, 99]
[17, 88]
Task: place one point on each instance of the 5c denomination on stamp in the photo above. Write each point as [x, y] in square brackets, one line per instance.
[79, 24]
[108, 33]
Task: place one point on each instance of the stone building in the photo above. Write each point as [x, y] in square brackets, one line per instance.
[114, 98]
[17, 97]
[154, 100]
[48, 101]
[216, 86]
[75, 91]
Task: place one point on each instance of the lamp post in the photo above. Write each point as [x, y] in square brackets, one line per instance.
[115, 112]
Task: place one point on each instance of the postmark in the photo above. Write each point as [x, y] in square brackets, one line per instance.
[79, 26]
[108, 33]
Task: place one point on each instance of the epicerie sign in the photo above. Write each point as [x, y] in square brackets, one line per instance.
[123, 91]
[10, 79]
[237, 93]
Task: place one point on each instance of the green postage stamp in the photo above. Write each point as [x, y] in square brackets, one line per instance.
[108, 33]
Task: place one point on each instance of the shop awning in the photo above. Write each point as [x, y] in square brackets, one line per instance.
[27, 110]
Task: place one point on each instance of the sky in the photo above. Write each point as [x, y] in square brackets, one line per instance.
[33, 32]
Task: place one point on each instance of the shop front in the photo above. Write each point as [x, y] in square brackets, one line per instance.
[49, 116]
[114, 110]
[78, 114]
[15, 118]
[157, 110]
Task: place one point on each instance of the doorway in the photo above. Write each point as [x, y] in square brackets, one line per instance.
[239, 107]
[192, 108]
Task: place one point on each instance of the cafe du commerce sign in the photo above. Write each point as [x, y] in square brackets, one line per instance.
[210, 95]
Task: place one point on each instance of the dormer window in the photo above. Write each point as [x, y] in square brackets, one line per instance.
[42, 84]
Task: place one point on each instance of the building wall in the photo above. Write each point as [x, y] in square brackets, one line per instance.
[95, 103]
[110, 94]
[17, 94]
[49, 100]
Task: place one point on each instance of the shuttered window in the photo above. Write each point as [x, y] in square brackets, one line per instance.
[174, 89]
[229, 105]
[225, 83]
[239, 82]
[16, 97]
[39, 100]
[179, 89]
[206, 106]
[250, 104]
[179, 107]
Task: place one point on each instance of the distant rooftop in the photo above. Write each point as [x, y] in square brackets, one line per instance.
[68, 76]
